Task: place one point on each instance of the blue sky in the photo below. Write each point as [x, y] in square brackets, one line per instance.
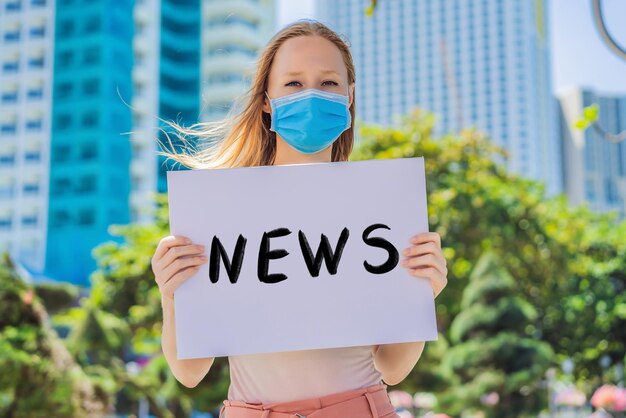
[578, 55]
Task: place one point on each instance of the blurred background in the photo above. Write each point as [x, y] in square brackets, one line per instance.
[518, 106]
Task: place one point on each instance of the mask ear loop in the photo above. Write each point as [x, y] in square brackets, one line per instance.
[272, 119]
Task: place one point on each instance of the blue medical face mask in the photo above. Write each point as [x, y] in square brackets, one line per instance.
[310, 120]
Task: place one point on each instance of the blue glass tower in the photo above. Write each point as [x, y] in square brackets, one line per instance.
[179, 84]
[90, 155]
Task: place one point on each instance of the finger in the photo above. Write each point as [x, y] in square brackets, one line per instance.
[429, 273]
[182, 251]
[426, 260]
[425, 272]
[166, 243]
[425, 237]
[437, 281]
[423, 248]
[170, 287]
[178, 265]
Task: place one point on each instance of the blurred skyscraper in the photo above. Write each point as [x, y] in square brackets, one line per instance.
[145, 105]
[483, 63]
[233, 33]
[594, 168]
[26, 54]
[201, 54]
[64, 164]
[82, 88]
[89, 156]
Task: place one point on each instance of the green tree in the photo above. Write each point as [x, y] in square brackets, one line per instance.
[38, 377]
[569, 261]
[121, 320]
[494, 350]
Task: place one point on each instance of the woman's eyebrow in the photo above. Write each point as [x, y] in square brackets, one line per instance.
[292, 73]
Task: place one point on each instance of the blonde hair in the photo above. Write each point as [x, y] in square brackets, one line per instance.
[243, 138]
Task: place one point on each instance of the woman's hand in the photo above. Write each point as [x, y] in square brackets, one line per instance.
[170, 265]
[425, 259]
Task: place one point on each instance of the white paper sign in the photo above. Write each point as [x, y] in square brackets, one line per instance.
[359, 294]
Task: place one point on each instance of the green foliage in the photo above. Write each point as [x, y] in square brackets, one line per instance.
[568, 262]
[99, 337]
[564, 283]
[371, 8]
[590, 116]
[123, 316]
[493, 352]
[488, 305]
[38, 377]
[473, 203]
[56, 296]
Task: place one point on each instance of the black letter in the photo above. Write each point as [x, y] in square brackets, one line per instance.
[331, 260]
[232, 269]
[394, 257]
[265, 255]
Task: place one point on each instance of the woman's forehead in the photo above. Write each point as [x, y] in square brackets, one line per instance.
[306, 55]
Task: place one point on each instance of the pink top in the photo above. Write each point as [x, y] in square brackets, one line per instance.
[302, 374]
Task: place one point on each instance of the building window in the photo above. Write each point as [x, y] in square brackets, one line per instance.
[86, 217]
[60, 218]
[64, 121]
[61, 186]
[34, 124]
[61, 153]
[92, 24]
[13, 6]
[89, 151]
[8, 127]
[10, 67]
[29, 220]
[86, 184]
[66, 29]
[12, 36]
[64, 89]
[31, 188]
[65, 59]
[91, 87]
[91, 56]
[37, 32]
[5, 223]
[32, 156]
[35, 62]
[35, 93]
[9, 96]
[7, 159]
[90, 119]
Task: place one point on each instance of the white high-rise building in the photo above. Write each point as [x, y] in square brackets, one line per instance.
[476, 63]
[190, 62]
[594, 167]
[26, 57]
[233, 33]
[145, 104]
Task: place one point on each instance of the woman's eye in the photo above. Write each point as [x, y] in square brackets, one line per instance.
[334, 83]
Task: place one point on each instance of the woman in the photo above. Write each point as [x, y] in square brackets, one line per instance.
[300, 109]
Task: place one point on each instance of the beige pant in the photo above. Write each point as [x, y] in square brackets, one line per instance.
[369, 402]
